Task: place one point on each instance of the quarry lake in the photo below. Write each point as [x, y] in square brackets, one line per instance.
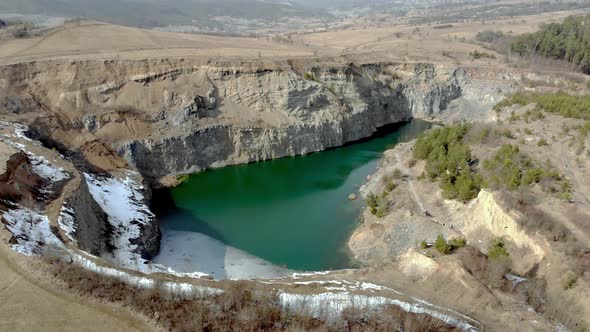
[268, 216]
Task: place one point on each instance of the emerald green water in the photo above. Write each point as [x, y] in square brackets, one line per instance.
[293, 212]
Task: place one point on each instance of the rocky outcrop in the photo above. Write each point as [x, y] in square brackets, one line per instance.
[19, 182]
[89, 222]
[136, 235]
[432, 88]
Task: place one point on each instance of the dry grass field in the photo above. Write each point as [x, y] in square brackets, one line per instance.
[399, 42]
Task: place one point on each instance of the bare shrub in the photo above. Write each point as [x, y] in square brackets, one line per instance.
[391, 318]
[569, 280]
[497, 270]
[241, 307]
[490, 272]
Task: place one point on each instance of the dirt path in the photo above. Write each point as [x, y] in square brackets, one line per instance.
[28, 305]
[575, 176]
[417, 200]
[413, 194]
[581, 191]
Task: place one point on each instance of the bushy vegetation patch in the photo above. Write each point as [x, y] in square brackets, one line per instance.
[497, 270]
[511, 169]
[379, 204]
[449, 247]
[449, 159]
[479, 55]
[443, 26]
[568, 41]
[441, 245]
[560, 103]
[504, 132]
[498, 250]
[542, 142]
[389, 182]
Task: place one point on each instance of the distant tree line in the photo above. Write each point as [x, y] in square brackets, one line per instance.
[568, 41]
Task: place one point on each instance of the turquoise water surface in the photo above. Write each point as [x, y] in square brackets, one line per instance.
[293, 212]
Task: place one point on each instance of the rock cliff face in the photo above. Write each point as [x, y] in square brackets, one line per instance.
[174, 117]
[89, 223]
[327, 108]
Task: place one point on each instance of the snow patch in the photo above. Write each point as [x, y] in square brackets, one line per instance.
[20, 131]
[515, 279]
[329, 306]
[185, 290]
[67, 222]
[31, 231]
[46, 170]
[372, 287]
[296, 275]
[345, 294]
[123, 202]
[40, 165]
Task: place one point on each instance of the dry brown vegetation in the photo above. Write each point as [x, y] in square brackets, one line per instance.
[240, 308]
[487, 271]
[535, 220]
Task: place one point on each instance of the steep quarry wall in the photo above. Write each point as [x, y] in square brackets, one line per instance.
[84, 221]
[48, 202]
[173, 117]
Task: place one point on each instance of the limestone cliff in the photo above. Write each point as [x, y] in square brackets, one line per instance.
[176, 116]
